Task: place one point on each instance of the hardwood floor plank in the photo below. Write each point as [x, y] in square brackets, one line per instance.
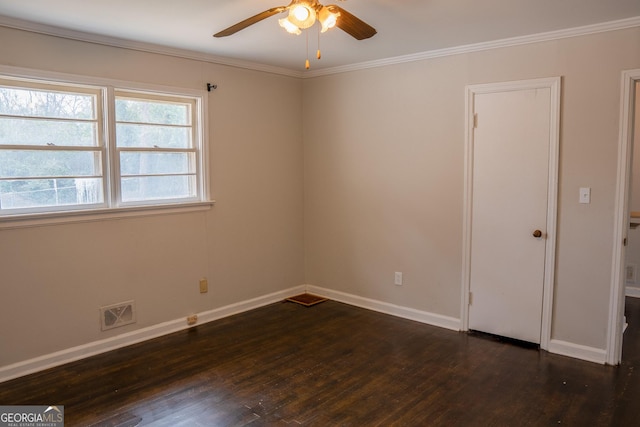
[335, 365]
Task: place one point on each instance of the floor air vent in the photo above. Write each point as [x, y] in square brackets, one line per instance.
[116, 315]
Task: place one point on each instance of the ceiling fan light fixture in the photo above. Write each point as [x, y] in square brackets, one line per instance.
[300, 12]
[327, 18]
[302, 15]
[290, 27]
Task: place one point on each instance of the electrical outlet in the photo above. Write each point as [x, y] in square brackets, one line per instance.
[204, 286]
[192, 320]
[398, 278]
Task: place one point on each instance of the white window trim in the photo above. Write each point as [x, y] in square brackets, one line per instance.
[92, 215]
[81, 214]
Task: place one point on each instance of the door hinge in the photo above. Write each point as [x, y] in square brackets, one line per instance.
[624, 242]
[475, 120]
[470, 298]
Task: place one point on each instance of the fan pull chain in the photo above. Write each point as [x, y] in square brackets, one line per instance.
[318, 54]
[306, 64]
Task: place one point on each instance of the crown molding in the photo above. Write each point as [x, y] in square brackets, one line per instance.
[20, 24]
[66, 33]
[477, 47]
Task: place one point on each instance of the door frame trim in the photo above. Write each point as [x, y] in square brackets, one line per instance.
[554, 84]
[616, 299]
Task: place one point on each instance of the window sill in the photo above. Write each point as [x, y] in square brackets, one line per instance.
[70, 217]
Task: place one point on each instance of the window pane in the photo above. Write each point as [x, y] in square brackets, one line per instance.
[29, 193]
[139, 111]
[46, 132]
[42, 103]
[45, 163]
[158, 187]
[128, 135]
[145, 163]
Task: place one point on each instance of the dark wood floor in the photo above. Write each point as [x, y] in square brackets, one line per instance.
[336, 365]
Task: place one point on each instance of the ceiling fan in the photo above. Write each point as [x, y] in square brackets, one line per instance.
[303, 14]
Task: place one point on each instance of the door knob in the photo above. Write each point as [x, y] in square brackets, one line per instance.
[537, 234]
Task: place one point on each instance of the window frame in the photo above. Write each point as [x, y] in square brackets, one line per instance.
[113, 207]
[195, 138]
[99, 147]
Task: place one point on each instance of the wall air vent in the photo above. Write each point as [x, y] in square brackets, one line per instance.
[116, 315]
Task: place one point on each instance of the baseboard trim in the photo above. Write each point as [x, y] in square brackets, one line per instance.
[563, 348]
[577, 351]
[58, 358]
[632, 291]
[433, 319]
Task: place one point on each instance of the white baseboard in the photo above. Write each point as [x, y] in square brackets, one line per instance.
[632, 291]
[564, 348]
[577, 351]
[387, 308]
[90, 349]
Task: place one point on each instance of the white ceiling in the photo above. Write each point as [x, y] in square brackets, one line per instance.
[404, 26]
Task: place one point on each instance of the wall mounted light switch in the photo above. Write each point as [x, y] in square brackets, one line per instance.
[585, 195]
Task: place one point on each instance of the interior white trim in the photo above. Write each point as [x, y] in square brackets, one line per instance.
[590, 354]
[478, 47]
[93, 348]
[621, 217]
[564, 348]
[20, 24]
[79, 79]
[58, 358]
[632, 291]
[554, 84]
[421, 316]
[91, 215]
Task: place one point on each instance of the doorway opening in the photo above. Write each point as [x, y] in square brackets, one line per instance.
[623, 233]
[494, 300]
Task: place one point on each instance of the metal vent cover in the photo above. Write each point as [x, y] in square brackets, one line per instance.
[116, 315]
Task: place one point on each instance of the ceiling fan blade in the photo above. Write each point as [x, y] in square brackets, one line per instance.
[352, 25]
[250, 21]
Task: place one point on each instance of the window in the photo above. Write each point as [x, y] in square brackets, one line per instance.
[51, 151]
[156, 150]
[61, 150]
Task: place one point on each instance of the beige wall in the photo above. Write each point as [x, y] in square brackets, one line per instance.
[335, 181]
[53, 279]
[384, 175]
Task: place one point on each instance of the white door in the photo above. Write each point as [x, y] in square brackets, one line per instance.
[511, 147]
